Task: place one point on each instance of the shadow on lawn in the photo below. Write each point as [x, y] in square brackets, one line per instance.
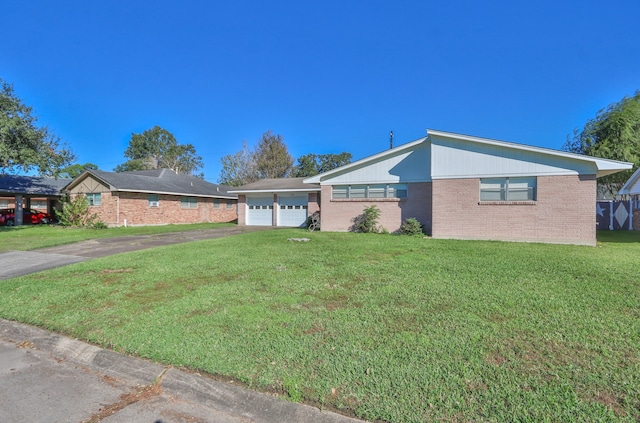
[619, 236]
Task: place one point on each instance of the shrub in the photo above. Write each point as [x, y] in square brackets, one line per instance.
[411, 226]
[76, 212]
[367, 222]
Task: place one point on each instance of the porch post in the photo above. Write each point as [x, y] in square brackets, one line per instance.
[17, 216]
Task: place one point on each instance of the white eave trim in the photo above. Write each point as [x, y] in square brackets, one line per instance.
[604, 166]
[274, 190]
[182, 194]
[322, 176]
[626, 188]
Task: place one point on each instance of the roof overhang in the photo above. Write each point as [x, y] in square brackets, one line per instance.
[604, 167]
[363, 162]
[626, 188]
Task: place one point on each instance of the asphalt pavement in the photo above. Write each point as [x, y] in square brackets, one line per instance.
[46, 377]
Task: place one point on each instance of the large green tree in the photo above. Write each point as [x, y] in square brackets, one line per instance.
[157, 148]
[613, 134]
[76, 170]
[313, 164]
[270, 159]
[24, 145]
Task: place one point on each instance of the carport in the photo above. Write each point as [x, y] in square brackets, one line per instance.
[18, 191]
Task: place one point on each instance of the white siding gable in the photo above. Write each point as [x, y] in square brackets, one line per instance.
[459, 158]
[407, 165]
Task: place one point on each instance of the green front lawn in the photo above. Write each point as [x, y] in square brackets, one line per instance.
[31, 237]
[392, 328]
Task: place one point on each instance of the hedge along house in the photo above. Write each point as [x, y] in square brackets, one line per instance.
[277, 202]
[466, 187]
[31, 192]
[153, 197]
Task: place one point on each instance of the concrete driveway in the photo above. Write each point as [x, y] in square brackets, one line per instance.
[19, 263]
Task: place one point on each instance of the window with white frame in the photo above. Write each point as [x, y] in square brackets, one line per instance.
[154, 200]
[94, 198]
[189, 203]
[508, 189]
[372, 191]
[39, 204]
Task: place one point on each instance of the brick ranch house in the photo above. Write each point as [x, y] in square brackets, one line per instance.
[457, 186]
[153, 197]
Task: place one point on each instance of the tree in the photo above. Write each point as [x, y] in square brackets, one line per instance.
[313, 164]
[24, 145]
[157, 148]
[239, 168]
[76, 170]
[613, 134]
[272, 158]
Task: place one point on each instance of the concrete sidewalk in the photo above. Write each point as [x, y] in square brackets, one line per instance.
[45, 377]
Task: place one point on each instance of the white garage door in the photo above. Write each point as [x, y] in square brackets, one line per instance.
[260, 211]
[292, 211]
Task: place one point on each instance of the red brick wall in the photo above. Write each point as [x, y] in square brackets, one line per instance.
[338, 215]
[134, 207]
[564, 212]
[242, 209]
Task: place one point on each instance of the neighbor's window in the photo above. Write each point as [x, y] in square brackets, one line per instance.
[189, 203]
[216, 203]
[154, 201]
[229, 205]
[37, 204]
[370, 191]
[93, 198]
[508, 189]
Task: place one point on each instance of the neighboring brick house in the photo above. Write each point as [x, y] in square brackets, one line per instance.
[153, 197]
[31, 192]
[465, 187]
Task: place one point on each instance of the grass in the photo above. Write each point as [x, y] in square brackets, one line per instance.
[390, 328]
[28, 237]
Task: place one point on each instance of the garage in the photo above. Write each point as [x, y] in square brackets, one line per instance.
[260, 211]
[292, 210]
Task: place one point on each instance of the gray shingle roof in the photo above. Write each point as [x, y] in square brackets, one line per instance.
[280, 184]
[161, 181]
[32, 185]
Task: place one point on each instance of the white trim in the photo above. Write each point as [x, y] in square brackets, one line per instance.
[274, 191]
[359, 163]
[626, 188]
[604, 166]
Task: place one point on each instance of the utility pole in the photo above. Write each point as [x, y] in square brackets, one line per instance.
[390, 140]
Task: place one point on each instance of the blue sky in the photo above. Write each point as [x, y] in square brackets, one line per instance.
[328, 76]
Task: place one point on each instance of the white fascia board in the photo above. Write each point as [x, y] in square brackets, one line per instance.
[317, 179]
[183, 194]
[604, 166]
[626, 188]
[275, 191]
